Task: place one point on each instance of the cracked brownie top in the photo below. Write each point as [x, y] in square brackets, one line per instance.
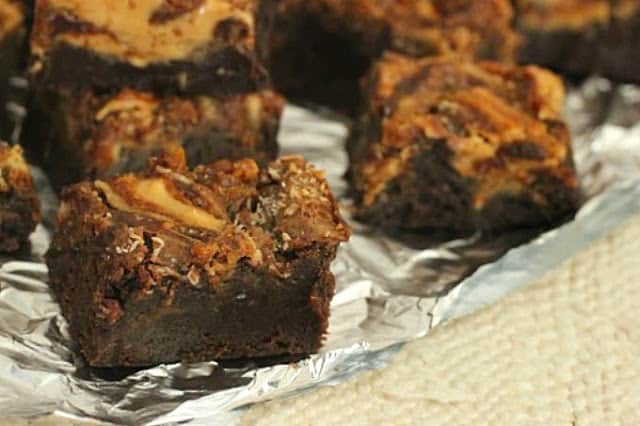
[502, 124]
[201, 223]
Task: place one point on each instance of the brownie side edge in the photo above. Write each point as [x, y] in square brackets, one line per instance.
[566, 51]
[220, 73]
[432, 195]
[318, 59]
[252, 314]
[618, 46]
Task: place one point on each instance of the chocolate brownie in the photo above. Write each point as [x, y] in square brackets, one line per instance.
[192, 47]
[87, 136]
[460, 147]
[319, 49]
[19, 205]
[562, 34]
[12, 61]
[225, 261]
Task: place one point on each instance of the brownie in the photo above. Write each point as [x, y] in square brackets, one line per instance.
[19, 205]
[224, 261]
[191, 47]
[87, 136]
[319, 49]
[12, 61]
[459, 147]
[562, 34]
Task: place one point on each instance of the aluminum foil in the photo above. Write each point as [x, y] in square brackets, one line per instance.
[390, 290]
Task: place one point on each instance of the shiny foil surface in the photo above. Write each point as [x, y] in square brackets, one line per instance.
[390, 290]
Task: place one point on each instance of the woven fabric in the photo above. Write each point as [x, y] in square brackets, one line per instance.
[563, 351]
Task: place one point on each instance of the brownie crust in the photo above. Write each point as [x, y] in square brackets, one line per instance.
[88, 136]
[225, 261]
[453, 146]
[19, 205]
[196, 47]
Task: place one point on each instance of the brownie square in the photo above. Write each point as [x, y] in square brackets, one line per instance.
[192, 47]
[13, 31]
[319, 49]
[19, 205]
[460, 147]
[225, 261]
[563, 34]
[83, 135]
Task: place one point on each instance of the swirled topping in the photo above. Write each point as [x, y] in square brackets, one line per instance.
[209, 219]
[563, 14]
[502, 124]
[142, 32]
[113, 126]
[15, 173]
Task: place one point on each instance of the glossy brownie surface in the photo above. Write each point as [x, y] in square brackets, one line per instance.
[458, 146]
[222, 261]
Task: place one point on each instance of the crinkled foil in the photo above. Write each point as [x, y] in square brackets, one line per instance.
[390, 290]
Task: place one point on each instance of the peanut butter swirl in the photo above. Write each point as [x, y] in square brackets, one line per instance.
[112, 126]
[142, 32]
[563, 14]
[214, 216]
[159, 199]
[501, 124]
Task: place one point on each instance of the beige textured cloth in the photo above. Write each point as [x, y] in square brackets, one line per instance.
[563, 351]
